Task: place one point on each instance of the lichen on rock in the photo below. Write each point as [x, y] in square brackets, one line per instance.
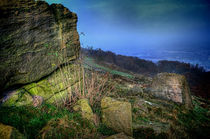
[117, 115]
[17, 98]
[84, 108]
[172, 87]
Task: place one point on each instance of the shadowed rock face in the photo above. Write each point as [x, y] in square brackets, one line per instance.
[35, 38]
[172, 87]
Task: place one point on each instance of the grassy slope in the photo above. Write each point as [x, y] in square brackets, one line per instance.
[91, 63]
[151, 115]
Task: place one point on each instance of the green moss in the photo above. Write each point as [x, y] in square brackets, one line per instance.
[42, 88]
[84, 108]
[58, 97]
[18, 98]
[106, 131]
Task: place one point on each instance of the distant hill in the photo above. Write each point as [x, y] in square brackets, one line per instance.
[197, 77]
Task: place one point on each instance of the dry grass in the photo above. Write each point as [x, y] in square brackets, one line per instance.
[81, 83]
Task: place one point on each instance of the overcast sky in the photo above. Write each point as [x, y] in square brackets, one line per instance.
[131, 25]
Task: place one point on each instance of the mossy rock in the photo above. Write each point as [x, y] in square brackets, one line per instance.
[17, 98]
[53, 89]
[82, 106]
[117, 115]
[59, 81]
[8, 132]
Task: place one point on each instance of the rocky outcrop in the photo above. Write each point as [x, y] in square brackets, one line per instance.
[172, 87]
[35, 39]
[117, 115]
[8, 132]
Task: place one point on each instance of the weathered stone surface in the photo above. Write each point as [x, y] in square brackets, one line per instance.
[8, 132]
[52, 89]
[84, 108]
[35, 38]
[117, 115]
[172, 87]
[119, 136]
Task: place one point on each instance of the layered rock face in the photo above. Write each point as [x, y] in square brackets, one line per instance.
[35, 39]
[172, 87]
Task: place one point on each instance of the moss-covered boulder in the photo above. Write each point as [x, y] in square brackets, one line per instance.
[82, 106]
[35, 39]
[172, 87]
[52, 89]
[17, 98]
[117, 115]
[8, 132]
[119, 136]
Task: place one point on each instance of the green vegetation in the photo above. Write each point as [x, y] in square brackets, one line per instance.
[29, 120]
[196, 121]
[104, 130]
[90, 62]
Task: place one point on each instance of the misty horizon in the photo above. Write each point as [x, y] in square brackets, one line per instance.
[133, 27]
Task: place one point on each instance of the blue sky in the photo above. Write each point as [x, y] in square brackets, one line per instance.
[132, 25]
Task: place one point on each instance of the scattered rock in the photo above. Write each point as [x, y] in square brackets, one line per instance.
[173, 87]
[119, 136]
[117, 115]
[8, 132]
[84, 108]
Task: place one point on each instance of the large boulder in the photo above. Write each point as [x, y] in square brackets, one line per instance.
[8, 132]
[172, 87]
[35, 39]
[117, 115]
